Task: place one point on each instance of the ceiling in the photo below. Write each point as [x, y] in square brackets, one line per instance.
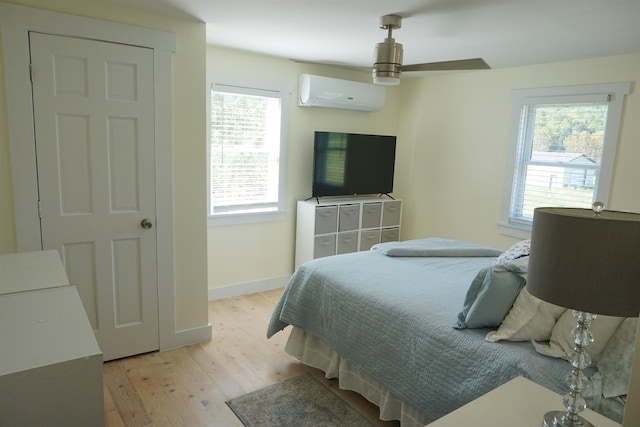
[506, 33]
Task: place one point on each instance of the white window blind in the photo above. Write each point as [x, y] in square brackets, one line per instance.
[245, 171]
[564, 141]
[559, 158]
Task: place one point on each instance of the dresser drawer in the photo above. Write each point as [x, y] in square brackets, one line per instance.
[371, 213]
[324, 246]
[348, 217]
[391, 213]
[390, 235]
[369, 238]
[347, 242]
[326, 219]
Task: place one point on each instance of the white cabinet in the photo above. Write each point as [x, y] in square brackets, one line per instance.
[50, 362]
[340, 226]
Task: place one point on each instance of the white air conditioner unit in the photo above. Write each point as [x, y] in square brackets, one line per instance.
[318, 91]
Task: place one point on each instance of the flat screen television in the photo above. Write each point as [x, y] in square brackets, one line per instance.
[346, 164]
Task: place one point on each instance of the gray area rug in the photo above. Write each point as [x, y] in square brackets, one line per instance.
[298, 401]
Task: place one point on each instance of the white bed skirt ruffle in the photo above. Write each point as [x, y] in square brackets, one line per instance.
[316, 353]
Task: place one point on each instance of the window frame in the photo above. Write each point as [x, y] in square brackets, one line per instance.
[248, 86]
[613, 92]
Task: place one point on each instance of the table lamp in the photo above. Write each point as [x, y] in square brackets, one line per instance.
[586, 260]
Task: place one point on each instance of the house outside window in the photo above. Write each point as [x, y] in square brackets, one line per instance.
[563, 143]
[246, 150]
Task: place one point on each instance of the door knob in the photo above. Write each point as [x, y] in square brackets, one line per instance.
[146, 224]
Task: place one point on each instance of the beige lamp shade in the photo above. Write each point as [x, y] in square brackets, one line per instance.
[586, 261]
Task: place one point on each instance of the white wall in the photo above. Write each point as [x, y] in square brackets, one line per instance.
[245, 254]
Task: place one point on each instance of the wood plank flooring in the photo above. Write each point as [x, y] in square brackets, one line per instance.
[189, 386]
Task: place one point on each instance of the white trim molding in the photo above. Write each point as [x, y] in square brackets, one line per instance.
[246, 288]
[612, 93]
[191, 336]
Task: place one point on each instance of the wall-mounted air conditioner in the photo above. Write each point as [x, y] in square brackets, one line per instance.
[318, 91]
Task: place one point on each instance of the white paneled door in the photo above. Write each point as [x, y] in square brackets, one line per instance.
[94, 127]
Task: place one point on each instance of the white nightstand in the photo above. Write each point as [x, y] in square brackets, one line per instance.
[519, 402]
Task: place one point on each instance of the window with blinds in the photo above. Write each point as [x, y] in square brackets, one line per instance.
[246, 141]
[565, 142]
[560, 157]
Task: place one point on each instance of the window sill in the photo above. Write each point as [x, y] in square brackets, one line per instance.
[244, 218]
[521, 232]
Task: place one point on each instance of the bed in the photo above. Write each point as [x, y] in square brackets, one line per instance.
[416, 327]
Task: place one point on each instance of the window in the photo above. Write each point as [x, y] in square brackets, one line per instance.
[246, 153]
[563, 148]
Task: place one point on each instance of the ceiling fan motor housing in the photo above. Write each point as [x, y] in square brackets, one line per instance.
[387, 59]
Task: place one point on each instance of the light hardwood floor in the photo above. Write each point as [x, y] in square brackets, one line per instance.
[189, 386]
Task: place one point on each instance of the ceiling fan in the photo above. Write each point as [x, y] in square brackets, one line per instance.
[388, 66]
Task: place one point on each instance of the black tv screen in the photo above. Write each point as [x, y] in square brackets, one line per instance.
[350, 164]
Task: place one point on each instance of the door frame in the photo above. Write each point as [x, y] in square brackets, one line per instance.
[16, 23]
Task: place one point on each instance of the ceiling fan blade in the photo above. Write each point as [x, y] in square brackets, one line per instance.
[461, 64]
[332, 64]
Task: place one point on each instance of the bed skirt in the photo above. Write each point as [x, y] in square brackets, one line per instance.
[315, 353]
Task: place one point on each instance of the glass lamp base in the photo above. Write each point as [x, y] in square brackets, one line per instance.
[558, 419]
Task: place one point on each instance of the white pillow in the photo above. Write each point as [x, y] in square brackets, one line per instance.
[519, 250]
[530, 318]
[562, 343]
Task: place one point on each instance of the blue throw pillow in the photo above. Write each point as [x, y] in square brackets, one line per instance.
[492, 293]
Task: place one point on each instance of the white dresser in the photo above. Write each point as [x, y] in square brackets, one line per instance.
[50, 362]
[519, 402]
[337, 226]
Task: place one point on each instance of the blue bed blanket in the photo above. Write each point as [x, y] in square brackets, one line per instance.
[392, 318]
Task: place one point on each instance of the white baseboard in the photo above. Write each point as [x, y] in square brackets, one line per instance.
[186, 337]
[247, 288]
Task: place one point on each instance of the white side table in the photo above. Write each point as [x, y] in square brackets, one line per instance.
[519, 402]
